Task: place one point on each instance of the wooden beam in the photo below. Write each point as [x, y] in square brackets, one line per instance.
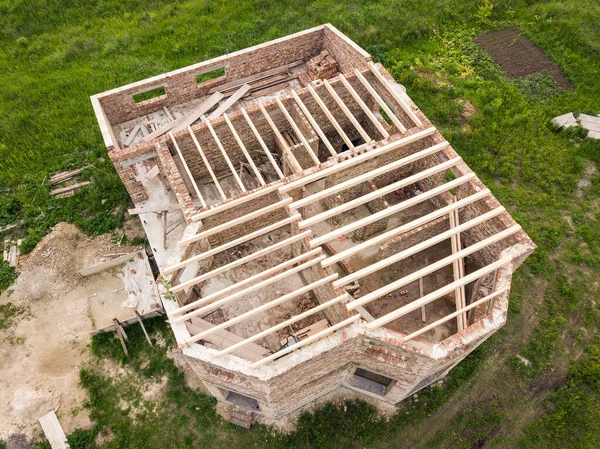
[297, 130]
[206, 307]
[262, 144]
[313, 123]
[243, 90]
[453, 315]
[399, 126]
[238, 241]
[256, 77]
[433, 267]
[364, 313]
[187, 169]
[395, 95]
[108, 264]
[404, 228]
[248, 281]
[459, 293]
[364, 107]
[378, 193]
[416, 249]
[295, 166]
[346, 111]
[316, 337]
[225, 156]
[241, 261]
[207, 164]
[368, 175]
[392, 210]
[236, 221]
[361, 158]
[70, 188]
[285, 324]
[153, 210]
[438, 293]
[330, 116]
[262, 308]
[139, 318]
[244, 150]
[421, 294]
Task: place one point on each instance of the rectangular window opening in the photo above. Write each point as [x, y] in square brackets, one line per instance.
[372, 382]
[149, 94]
[242, 400]
[202, 77]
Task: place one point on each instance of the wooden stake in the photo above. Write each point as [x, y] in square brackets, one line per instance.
[139, 318]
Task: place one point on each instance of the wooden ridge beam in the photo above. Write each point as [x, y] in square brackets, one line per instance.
[316, 337]
[404, 228]
[313, 123]
[225, 246]
[391, 210]
[248, 281]
[263, 307]
[357, 159]
[241, 261]
[207, 308]
[378, 193]
[297, 130]
[347, 111]
[438, 293]
[207, 164]
[368, 175]
[187, 169]
[330, 116]
[244, 150]
[262, 144]
[395, 95]
[433, 267]
[417, 248]
[236, 221]
[225, 156]
[284, 324]
[399, 126]
[364, 107]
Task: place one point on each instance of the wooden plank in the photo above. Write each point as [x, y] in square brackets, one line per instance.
[347, 112]
[395, 95]
[297, 130]
[225, 156]
[207, 164]
[54, 431]
[457, 272]
[318, 336]
[244, 150]
[263, 307]
[308, 331]
[404, 228]
[139, 318]
[127, 322]
[397, 123]
[241, 261]
[293, 162]
[121, 334]
[433, 267]
[258, 76]
[63, 176]
[421, 294]
[262, 144]
[238, 241]
[364, 107]
[187, 169]
[284, 324]
[360, 159]
[392, 210]
[108, 264]
[69, 188]
[153, 210]
[330, 116]
[229, 102]
[313, 123]
[170, 116]
[416, 249]
[378, 193]
[152, 173]
[8, 227]
[235, 222]
[438, 293]
[130, 138]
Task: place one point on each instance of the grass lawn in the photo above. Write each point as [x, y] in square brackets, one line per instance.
[55, 54]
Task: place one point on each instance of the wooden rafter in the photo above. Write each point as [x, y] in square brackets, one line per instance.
[297, 130]
[206, 163]
[458, 269]
[330, 117]
[187, 170]
[289, 157]
[314, 123]
[225, 156]
[244, 150]
[347, 111]
[262, 144]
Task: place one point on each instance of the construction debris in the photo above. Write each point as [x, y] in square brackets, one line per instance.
[108, 264]
[54, 431]
[586, 121]
[66, 175]
[323, 67]
[69, 190]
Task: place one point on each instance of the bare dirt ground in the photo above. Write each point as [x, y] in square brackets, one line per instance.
[518, 56]
[41, 351]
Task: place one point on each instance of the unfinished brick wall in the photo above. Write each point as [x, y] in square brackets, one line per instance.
[348, 55]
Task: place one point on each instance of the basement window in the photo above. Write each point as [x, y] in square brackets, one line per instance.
[371, 382]
[148, 95]
[202, 77]
[242, 401]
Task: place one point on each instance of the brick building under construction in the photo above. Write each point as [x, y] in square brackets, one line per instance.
[315, 234]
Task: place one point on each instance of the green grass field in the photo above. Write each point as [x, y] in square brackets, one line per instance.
[55, 54]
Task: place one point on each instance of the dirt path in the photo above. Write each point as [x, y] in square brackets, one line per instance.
[41, 350]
